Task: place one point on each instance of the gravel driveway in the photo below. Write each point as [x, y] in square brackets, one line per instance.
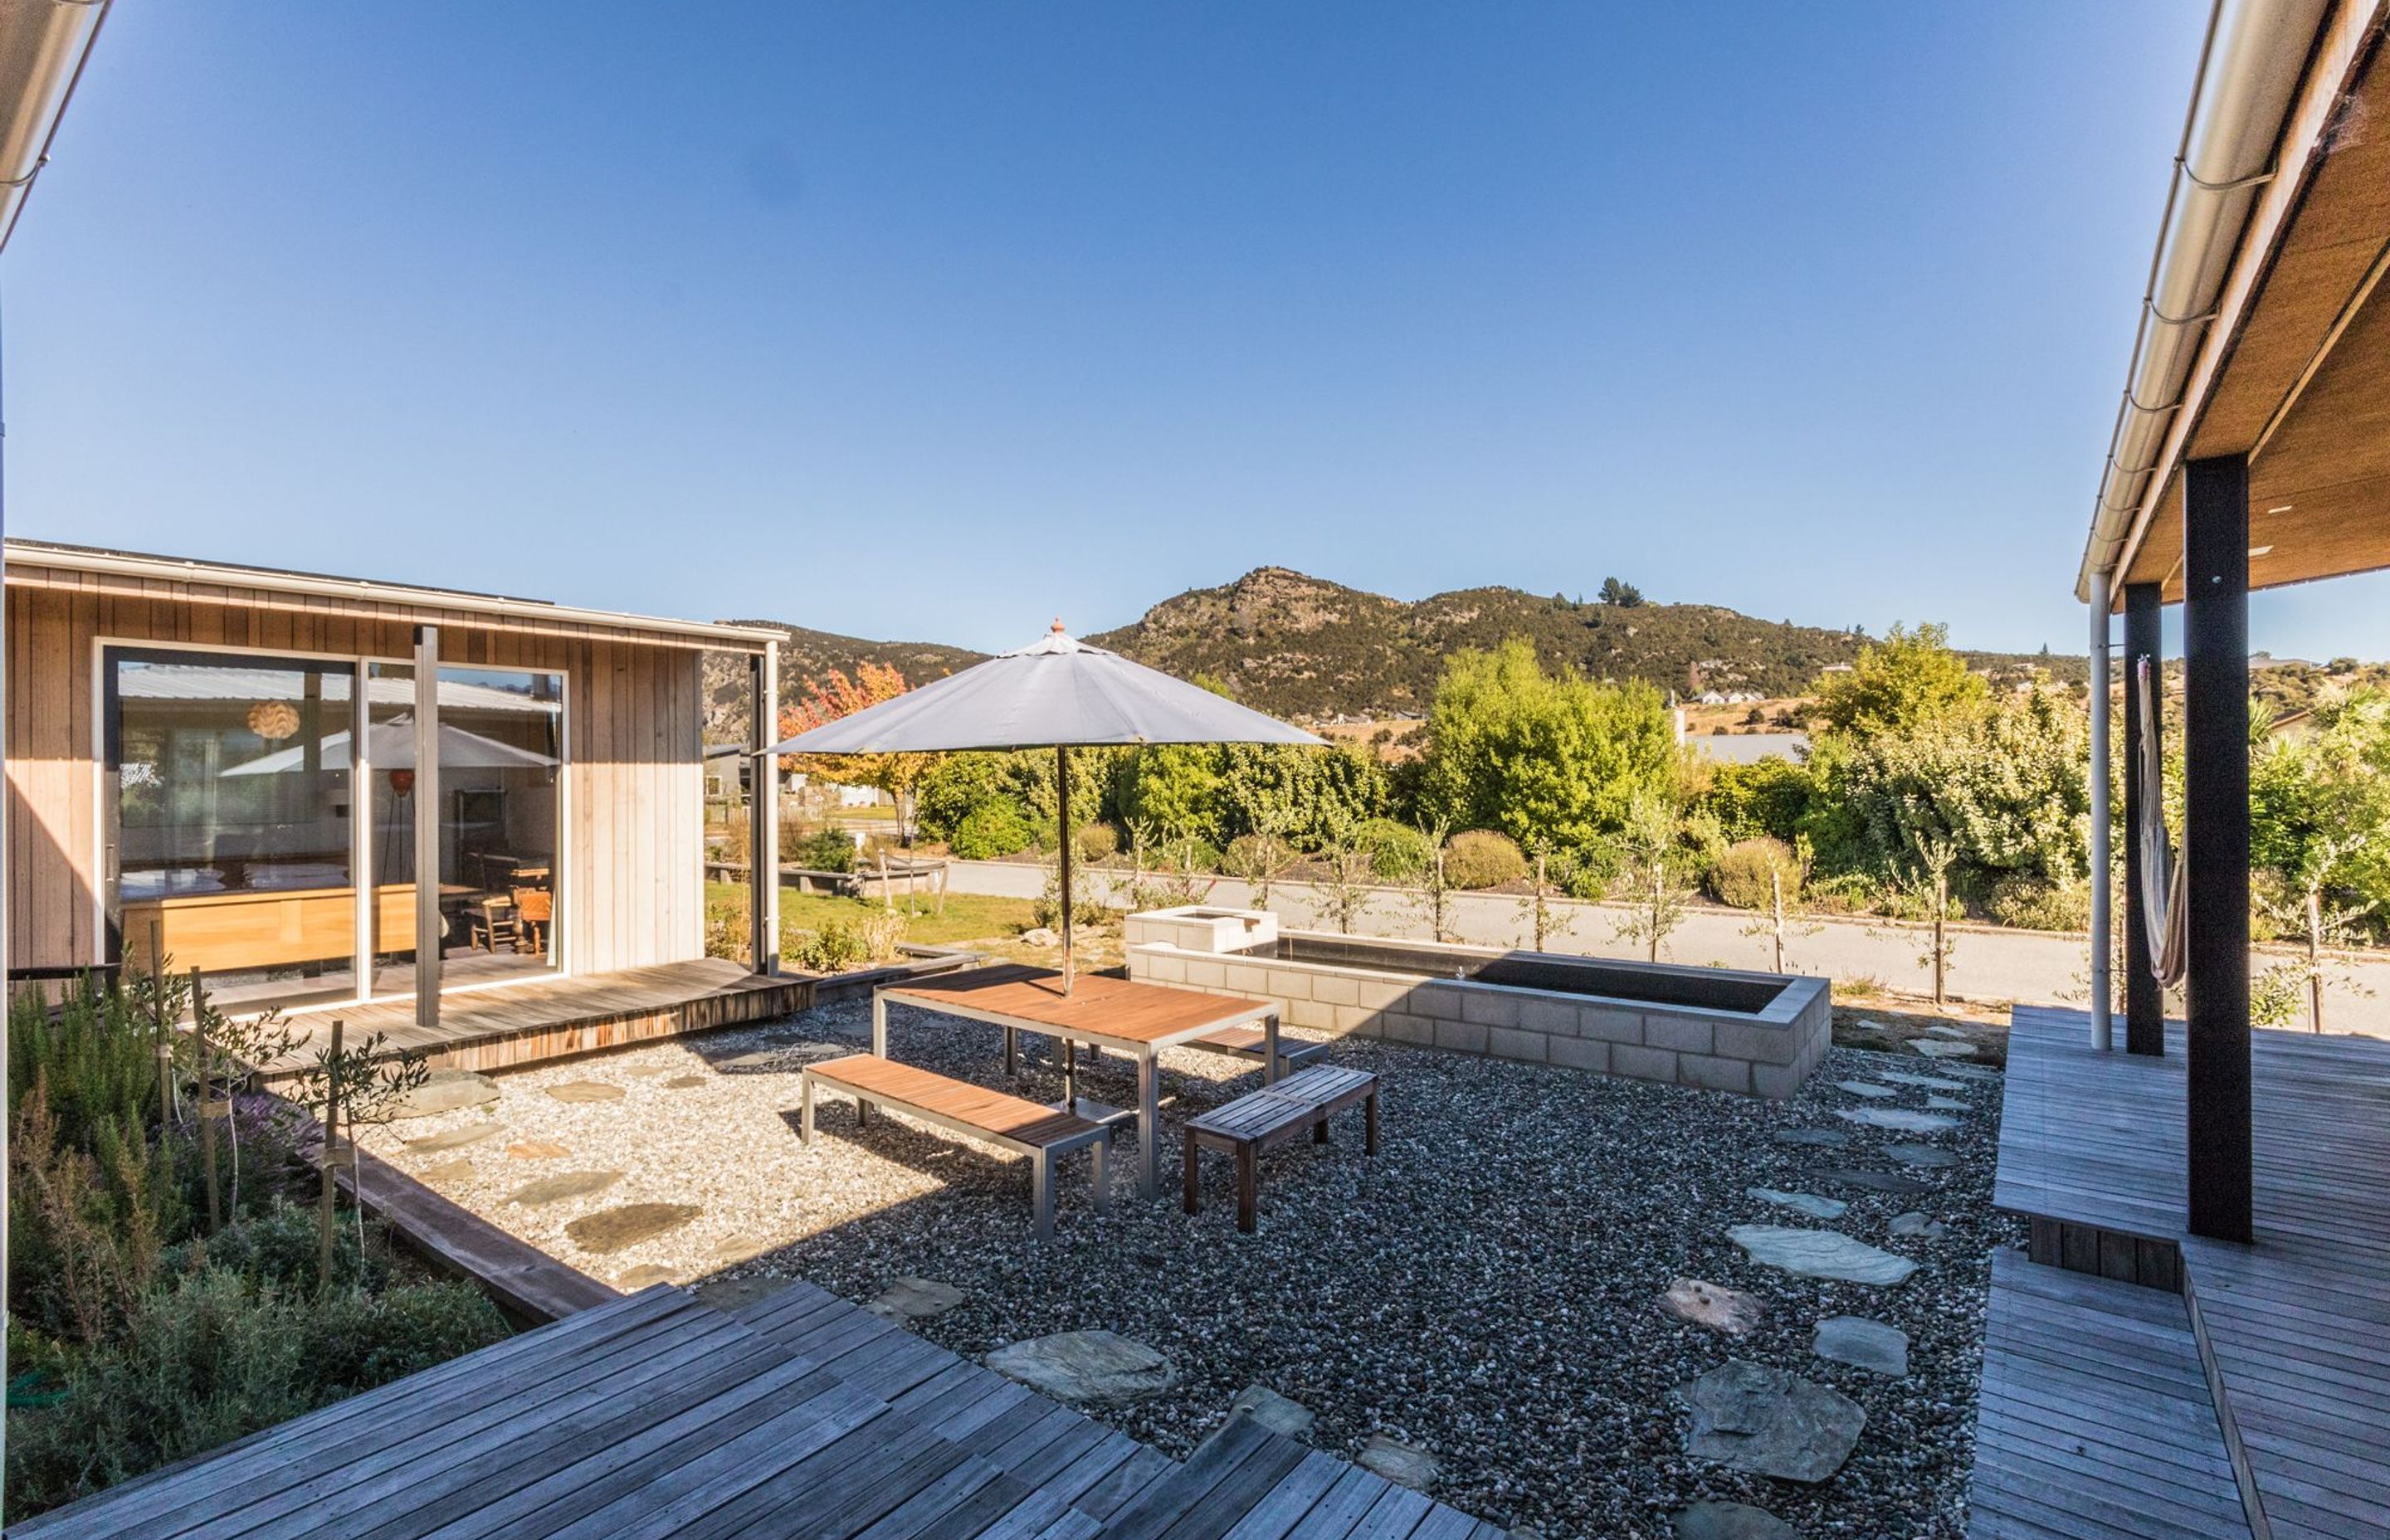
[1485, 1288]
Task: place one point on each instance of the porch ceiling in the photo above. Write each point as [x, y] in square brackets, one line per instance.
[2304, 387]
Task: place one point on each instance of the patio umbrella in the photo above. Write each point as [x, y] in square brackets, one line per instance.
[1060, 694]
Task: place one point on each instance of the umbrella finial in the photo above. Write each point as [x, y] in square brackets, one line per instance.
[1058, 627]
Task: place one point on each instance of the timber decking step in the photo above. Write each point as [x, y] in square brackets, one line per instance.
[2094, 1417]
[799, 1414]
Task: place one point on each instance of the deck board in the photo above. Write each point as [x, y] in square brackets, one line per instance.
[2295, 1330]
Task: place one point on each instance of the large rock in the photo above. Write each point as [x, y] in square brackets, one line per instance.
[455, 1138]
[1820, 1254]
[1087, 1365]
[1801, 1202]
[1403, 1464]
[914, 1300]
[1712, 1304]
[1771, 1422]
[1862, 1344]
[563, 1185]
[619, 1229]
[1731, 1522]
[1899, 1118]
[447, 1091]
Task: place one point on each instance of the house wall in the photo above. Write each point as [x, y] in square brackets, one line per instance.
[633, 840]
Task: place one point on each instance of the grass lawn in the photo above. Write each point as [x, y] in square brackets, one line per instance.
[986, 923]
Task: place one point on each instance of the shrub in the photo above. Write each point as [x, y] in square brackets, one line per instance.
[1481, 858]
[993, 828]
[355, 1341]
[1099, 843]
[1742, 876]
[832, 948]
[1397, 852]
[821, 850]
[2032, 904]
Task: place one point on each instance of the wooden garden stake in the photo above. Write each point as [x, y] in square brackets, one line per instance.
[331, 1157]
[207, 1099]
[165, 1036]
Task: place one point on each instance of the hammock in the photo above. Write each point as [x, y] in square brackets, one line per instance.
[2164, 921]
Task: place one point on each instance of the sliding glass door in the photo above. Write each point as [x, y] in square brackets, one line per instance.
[260, 820]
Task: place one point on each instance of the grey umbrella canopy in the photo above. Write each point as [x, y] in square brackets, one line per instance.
[1058, 693]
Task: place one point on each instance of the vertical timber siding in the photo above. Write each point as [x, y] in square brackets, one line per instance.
[633, 836]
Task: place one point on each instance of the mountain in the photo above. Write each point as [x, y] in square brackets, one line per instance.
[1299, 646]
[1302, 647]
[808, 655]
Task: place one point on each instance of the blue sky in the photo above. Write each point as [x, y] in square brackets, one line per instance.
[936, 320]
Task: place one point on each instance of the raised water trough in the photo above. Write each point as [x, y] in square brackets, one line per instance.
[1760, 1033]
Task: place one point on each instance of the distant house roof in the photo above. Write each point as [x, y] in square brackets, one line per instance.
[143, 567]
[1749, 748]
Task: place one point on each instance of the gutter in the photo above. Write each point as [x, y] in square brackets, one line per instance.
[62, 32]
[2249, 70]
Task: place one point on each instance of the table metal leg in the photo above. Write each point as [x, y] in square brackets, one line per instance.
[1013, 1053]
[1269, 1047]
[1071, 1073]
[1148, 1125]
[879, 1025]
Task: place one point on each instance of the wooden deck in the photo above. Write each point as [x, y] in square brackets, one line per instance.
[2293, 1332]
[802, 1415]
[512, 1025]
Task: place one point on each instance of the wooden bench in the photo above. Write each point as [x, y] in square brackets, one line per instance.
[1262, 1120]
[1246, 1043]
[1040, 1132]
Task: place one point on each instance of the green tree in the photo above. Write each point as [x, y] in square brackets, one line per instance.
[1909, 680]
[1550, 760]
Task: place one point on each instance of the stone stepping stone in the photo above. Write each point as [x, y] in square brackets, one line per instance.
[1079, 1367]
[643, 1070]
[1277, 1413]
[448, 1174]
[1929, 1082]
[1945, 1104]
[732, 1295]
[1403, 1464]
[615, 1229]
[1874, 1026]
[447, 1091]
[1731, 1522]
[1971, 1072]
[1899, 1118]
[1953, 1034]
[455, 1138]
[1821, 1254]
[914, 1300]
[536, 1150]
[563, 1185]
[645, 1275]
[1771, 1422]
[1714, 1305]
[1934, 1047]
[1862, 1088]
[686, 1083]
[1873, 1181]
[581, 1091]
[1801, 1202]
[1862, 1344]
[1918, 1223]
[1923, 1155]
[1830, 1139]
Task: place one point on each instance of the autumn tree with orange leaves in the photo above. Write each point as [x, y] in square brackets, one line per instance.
[828, 700]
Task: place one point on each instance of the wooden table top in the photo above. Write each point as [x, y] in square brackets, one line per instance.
[1099, 1004]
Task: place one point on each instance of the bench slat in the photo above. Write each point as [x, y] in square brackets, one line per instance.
[1012, 1118]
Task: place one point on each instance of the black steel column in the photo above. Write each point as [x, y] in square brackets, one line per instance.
[2216, 840]
[2144, 1000]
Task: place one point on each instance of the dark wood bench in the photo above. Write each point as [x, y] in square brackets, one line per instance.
[1262, 1120]
[1042, 1133]
[1246, 1043]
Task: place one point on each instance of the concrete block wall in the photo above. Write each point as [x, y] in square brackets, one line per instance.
[1683, 1045]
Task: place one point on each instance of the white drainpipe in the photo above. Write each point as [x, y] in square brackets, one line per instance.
[2102, 999]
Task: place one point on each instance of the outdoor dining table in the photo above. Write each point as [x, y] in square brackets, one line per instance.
[1139, 1020]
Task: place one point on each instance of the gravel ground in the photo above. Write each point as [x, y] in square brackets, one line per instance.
[1484, 1288]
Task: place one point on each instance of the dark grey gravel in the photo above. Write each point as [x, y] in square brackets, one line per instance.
[1482, 1291]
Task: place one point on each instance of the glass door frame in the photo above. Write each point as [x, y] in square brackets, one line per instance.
[364, 807]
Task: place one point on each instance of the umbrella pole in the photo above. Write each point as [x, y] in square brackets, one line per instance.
[1062, 818]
